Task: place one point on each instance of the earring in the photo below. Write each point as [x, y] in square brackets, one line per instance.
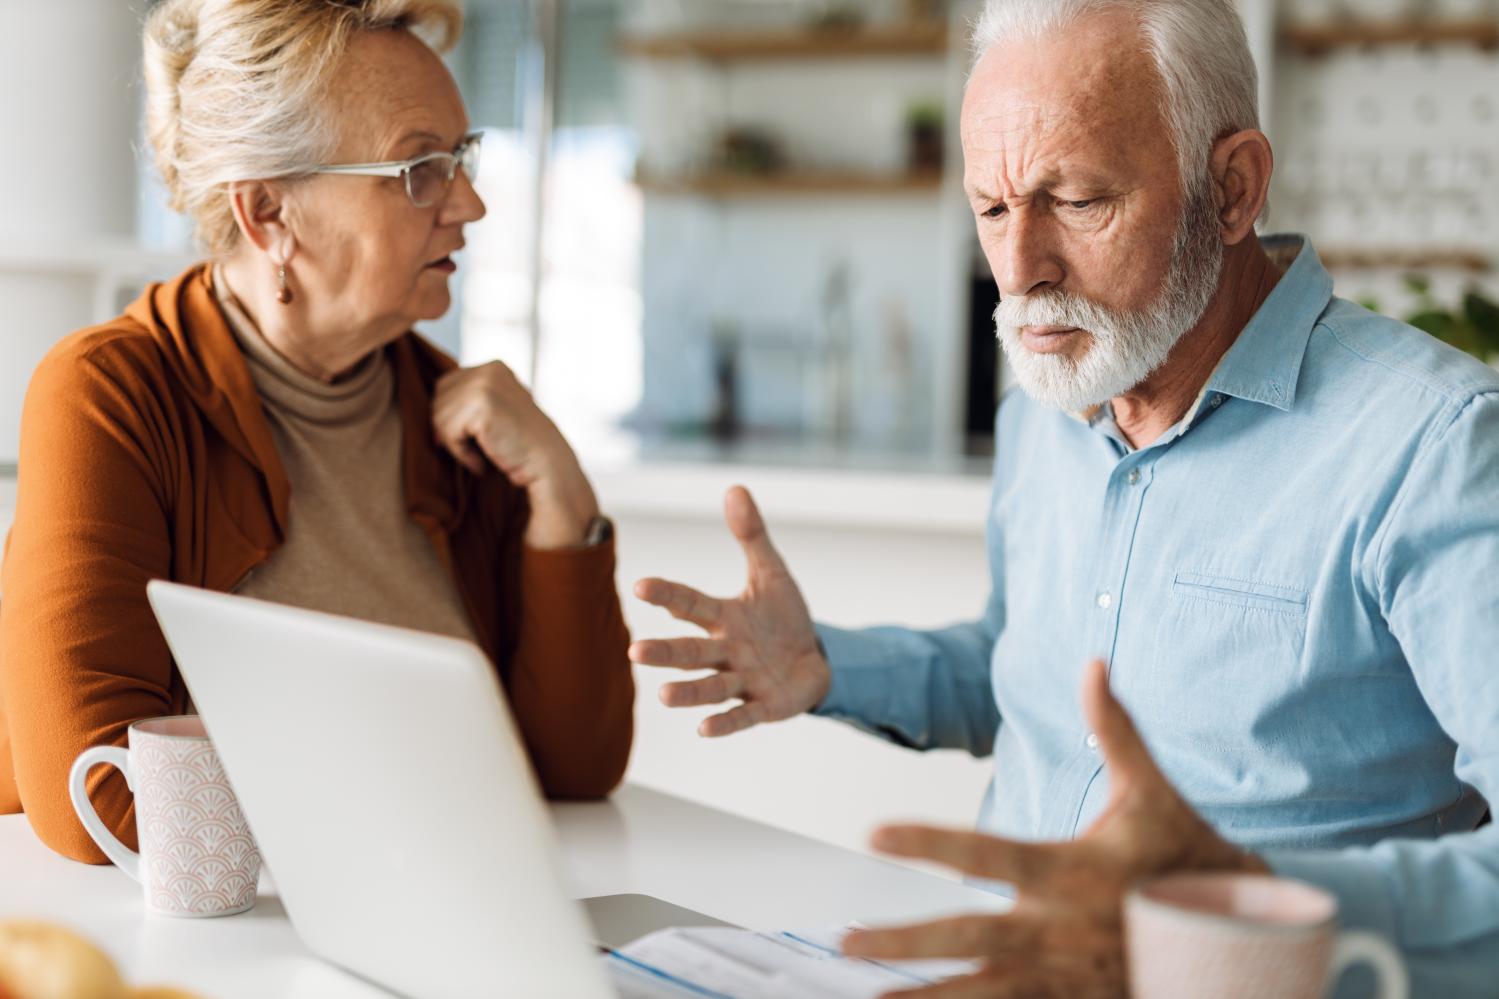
[283, 293]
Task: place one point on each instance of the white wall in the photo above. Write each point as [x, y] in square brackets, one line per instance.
[68, 69]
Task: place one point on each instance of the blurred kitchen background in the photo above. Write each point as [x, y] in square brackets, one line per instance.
[727, 242]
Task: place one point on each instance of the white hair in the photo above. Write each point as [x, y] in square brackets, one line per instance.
[1199, 50]
[237, 89]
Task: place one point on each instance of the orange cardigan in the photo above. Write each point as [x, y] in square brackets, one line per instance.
[145, 454]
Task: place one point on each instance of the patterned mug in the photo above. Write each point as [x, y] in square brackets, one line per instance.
[197, 856]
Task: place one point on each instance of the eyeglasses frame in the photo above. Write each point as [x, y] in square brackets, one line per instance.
[403, 168]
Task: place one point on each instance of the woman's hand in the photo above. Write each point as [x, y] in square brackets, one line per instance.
[486, 413]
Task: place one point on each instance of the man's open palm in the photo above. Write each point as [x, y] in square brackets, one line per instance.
[760, 644]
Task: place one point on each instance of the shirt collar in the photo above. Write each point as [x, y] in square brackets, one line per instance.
[1264, 363]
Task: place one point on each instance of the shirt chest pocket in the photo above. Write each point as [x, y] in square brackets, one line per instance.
[1235, 592]
[1231, 618]
[1223, 639]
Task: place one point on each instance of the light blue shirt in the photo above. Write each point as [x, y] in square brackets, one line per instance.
[1297, 588]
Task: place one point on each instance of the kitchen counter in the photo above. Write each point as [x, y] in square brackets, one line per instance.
[805, 485]
[833, 497]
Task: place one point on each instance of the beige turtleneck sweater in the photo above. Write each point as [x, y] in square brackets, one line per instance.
[350, 546]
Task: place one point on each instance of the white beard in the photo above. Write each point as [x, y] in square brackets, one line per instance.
[1125, 347]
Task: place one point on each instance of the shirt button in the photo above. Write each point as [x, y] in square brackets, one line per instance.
[1091, 741]
[1134, 476]
[1105, 600]
[1217, 401]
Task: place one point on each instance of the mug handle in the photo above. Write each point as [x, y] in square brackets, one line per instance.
[123, 857]
[1360, 947]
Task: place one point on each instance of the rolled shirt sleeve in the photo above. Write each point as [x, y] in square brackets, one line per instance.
[919, 689]
[924, 689]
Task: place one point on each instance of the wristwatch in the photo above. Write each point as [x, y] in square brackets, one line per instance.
[600, 529]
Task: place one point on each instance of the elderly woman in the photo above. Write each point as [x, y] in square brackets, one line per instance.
[268, 424]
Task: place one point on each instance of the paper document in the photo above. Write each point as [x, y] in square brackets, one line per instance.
[716, 963]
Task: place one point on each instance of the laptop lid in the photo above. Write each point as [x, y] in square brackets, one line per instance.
[393, 801]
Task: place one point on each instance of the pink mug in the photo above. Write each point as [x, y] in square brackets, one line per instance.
[1244, 936]
[197, 855]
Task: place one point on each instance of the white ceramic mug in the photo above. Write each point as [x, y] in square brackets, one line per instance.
[1245, 936]
[197, 855]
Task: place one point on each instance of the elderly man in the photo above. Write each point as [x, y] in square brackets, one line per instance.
[1274, 514]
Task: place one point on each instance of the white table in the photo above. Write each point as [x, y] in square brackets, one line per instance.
[640, 841]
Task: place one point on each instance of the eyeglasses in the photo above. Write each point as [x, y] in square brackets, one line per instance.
[428, 176]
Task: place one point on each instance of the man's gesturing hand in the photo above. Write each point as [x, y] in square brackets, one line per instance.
[1064, 935]
[760, 644]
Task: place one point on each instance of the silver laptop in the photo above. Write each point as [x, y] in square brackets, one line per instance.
[382, 776]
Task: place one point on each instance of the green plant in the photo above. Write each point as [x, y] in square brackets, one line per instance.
[1472, 326]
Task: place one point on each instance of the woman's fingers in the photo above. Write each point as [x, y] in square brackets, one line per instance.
[680, 601]
[469, 456]
[450, 432]
[485, 411]
[455, 430]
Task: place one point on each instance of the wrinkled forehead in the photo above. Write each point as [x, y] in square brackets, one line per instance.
[1089, 93]
[393, 97]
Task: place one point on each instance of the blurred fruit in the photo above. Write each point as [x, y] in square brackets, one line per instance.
[41, 961]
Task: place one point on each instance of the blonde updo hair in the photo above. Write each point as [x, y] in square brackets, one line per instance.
[235, 89]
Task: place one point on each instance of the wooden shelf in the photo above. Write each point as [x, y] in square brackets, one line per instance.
[732, 185]
[1406, 260]
[1317, 39]
[807, 43]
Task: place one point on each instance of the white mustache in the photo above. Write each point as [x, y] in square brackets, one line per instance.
[1055, 308]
